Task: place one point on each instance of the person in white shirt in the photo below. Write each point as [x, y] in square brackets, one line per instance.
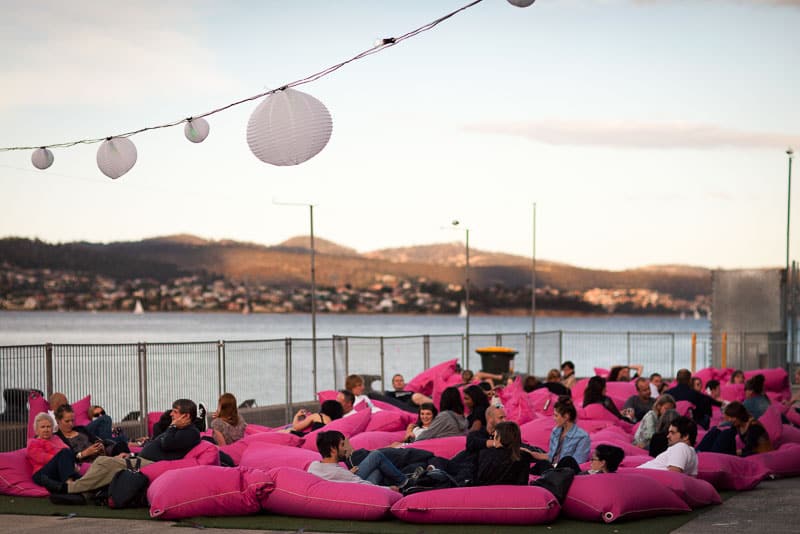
[374, 469]
[680, 456]
[355, 385]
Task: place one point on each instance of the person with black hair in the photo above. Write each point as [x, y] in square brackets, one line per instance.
[595, 393]
[476, 400]
[568, 378]
[680, 456]
[347, 400]
[450, 421]
[507, 461]
[754, 399]
[569, 443]
[427, 413]
[606, 459]
[305, 421]
[738, 423]
[683, 391]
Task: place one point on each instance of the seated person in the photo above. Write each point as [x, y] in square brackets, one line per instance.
[622, 373]
[374, 469]
[683, 391]
[427, 413]
[450, 421]
[355, 385]
[680, 456]
[606, 459]
[553, 384]
[569, 443]
[737, 377]
[347, 401]
[595, 393]
[647, 428]
[101, 426]
[659, 440]
[530, 383]
[697, 384]
[507, 461]
[477, 402]
[568, 377]
[738, 423]
[468, 377]
[657, 385]
[638, 405]
[754, 399]
[227, 426]
[305, 421]
[84, 445]
[713, 390]
[52, 461]
[399, 393]
[172, 444]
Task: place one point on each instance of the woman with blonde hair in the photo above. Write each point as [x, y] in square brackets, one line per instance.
[227, 425]
[647, 428]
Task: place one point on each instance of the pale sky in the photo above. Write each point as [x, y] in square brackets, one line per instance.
[647, 132]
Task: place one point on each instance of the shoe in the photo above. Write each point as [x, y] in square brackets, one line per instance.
[67, 498]
[201, 416]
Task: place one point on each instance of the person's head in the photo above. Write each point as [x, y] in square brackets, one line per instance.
[619, 373]
[667, 417]
[682, 430]
[332, 409]
[474, 397]
[398, 382]
[508, 434]
[567, 369]
[595, 390]
[57, 399]
[553, 375]
[354, 384]
[65, 417]
[227, 409]
[713, 388]
[346, 399]
[467, 376]
[530, 383]
[43, 425]
[96, 411]
[736, 413]
[656, 379]
[663, 403]
[184, 412]
[494, 415]
[451, 400]
[684, 377]
[426, 414]
[643, 388]
[606, 458]
[697, 383]
[754, 386]
[333, 444]
[564, 411]
[737, 377]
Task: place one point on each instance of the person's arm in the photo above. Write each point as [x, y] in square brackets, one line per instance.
[638, 367]
[302, 420]
[583, 449]
[675, 469]
[179, 439]
[219, 439]
[609, 405]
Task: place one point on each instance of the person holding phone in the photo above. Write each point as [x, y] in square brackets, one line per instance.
[85, 445]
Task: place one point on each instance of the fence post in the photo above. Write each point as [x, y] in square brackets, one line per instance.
[694, 352]
[628, 342]
[333, 362]
[498, 340]
[560, 347]
[672, 351]
[530, 345]
[141, 353]
[383, 384]
[724, 362]
[48, 365]
[347, 356]
[426, 351]
[223, 382]
[288, 378]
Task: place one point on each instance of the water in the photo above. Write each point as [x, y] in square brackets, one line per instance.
[23, 328]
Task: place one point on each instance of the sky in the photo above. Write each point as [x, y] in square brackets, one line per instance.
[646, 132]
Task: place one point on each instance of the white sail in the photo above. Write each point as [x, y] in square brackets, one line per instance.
[462, 312]
[138, 309]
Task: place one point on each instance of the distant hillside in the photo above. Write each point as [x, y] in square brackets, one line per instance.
[162, 258]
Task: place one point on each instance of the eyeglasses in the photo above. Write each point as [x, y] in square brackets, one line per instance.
[595, 459]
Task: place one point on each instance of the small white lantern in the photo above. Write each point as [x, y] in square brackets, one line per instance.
[288, 128]
[521, 3]
[116, 156]
[42, 158]
[196, 130]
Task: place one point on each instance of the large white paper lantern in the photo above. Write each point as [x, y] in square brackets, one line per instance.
[521, 3]
[42, 158]
[196, 130]
[116, 156]
[288, 128]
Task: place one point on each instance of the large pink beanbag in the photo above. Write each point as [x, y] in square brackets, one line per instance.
[266, 456]
[376, 440]
[629, 448]
[620, 392]
[208, 490]
[390, 420]
[537, 432]
[789, 434]
[771, 421]
[423, 382]
[235, 450]
[16, 476]
[594, 425]
[204, 453]
[784, 462]
[694, 492]
[683, 407]
[732, 392]
[613, 496]
[349, 426]
[298, 493]
[444, 447]
[500, 505]
[251, 429]
[542, 401]
[776, 379]
[726, 472]
[275, 438]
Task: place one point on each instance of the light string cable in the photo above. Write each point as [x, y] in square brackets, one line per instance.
[380, 46]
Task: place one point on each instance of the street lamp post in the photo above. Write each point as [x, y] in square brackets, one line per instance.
[531, 361]
[789, 153]
[466, 289]
[790, 331]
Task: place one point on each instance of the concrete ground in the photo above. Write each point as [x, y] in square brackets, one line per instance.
[773, 507]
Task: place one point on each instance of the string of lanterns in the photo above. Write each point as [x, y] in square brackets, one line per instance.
[288, 127]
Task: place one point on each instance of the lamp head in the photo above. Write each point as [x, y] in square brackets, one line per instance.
[455, 223]
[789, 151]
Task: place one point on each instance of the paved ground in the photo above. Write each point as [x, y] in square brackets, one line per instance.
[773, 507]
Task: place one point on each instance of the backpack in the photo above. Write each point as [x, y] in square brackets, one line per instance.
[429, 480]
[128, 488]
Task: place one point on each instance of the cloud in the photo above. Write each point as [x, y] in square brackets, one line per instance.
[631, 134]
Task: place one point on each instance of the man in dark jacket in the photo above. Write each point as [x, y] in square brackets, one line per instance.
[683, 391]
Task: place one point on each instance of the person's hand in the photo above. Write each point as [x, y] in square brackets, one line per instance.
[394, 488]
[354, 469]
[214, 415]
[123, 455]
[182, 421]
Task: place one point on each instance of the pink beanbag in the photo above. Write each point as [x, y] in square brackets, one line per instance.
[709, 373]
[423, 382]
[276, 438]
[208, 490]
[267, 456]
[732, 392]
[594, 425]
[620, 392]
[390, 420]
[694, 492]
[683, 407]
[444, 447]
[776, 379]
[349, 426]
[609, 497]
[542, 401]
[725, 471]
[16, 477]
[255, 429]
[204, 453]
[792, 415]
[538, 432]
[501, 505]
[784, 462]
[235, 450]
[298, 493]
[771, 421]
[627, 446]
[789, 434]
[376, 440]
[328, 394]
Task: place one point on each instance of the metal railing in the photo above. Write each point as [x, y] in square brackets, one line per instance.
[131, 380]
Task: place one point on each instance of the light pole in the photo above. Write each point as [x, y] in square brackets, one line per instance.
[531, 361]
[466, 288]
[790, 331]
[313, 287]
[789, 153]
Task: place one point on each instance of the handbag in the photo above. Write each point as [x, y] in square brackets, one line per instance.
[128, 488]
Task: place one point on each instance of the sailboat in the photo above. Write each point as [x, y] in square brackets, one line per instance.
[462, 312]
[138, 309]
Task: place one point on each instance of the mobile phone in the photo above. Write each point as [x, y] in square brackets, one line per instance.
[546, 404]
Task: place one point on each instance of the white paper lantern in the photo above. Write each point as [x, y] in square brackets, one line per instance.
[116, 156]
[288, 128]
[521, 3]
[196, 130]
[42, 158]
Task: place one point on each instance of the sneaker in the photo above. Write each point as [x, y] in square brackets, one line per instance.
[201, 416]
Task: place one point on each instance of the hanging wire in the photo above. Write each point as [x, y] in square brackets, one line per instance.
[379, 47]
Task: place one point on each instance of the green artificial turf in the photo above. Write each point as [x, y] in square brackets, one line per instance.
[656, 525]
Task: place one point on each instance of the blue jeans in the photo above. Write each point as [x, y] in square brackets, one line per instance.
[57, 471]
[102, 427]
[377, 469]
